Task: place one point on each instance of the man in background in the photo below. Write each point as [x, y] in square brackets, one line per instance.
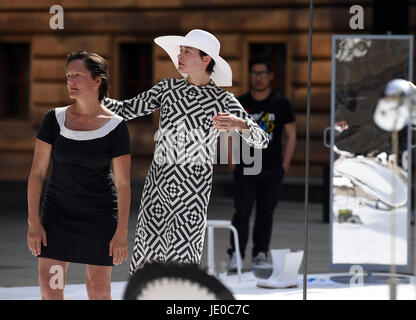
[274, 114]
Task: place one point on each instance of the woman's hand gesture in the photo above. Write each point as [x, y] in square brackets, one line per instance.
[228, 121]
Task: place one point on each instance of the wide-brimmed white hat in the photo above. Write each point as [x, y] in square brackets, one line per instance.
[202, 40]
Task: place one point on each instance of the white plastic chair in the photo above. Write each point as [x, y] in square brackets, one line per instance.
[211, 224]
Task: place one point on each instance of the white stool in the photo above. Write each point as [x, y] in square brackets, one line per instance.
[211, 224]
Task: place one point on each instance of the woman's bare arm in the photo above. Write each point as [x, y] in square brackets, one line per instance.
[37, 175]
[119, 245]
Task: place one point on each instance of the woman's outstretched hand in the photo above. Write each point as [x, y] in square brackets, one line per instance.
[228, 121]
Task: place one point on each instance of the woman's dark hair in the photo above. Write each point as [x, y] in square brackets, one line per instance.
[261, 60]
[96, 65]
[211, 64]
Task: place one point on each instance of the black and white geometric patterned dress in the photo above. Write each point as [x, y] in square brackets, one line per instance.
[172, 214]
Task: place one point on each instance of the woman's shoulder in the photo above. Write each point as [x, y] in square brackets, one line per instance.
[226, 95]
[59, 110]
[109, 114]
[119, 129]
[119, 118]
[115, 117]
[218, 92]
[116, 121]
[54, 114]
[49, 128]
[119, 122]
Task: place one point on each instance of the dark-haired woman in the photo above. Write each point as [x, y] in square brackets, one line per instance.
[173, 208]
[85, 210]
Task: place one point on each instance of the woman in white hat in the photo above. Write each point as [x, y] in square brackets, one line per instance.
[172, 214]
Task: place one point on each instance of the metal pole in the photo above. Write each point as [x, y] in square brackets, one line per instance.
[412, 210]
[308, 115]
[395, 167]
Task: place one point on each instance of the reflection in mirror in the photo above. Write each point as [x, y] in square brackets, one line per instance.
[366, 188]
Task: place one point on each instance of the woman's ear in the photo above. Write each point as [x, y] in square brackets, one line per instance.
[206, 59]
[98, 81]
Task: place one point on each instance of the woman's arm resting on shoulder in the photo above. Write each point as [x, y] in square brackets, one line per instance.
[36, 234]
[118, 244]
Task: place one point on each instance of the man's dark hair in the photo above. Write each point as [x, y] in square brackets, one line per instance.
[211, 64]
[261, 60]
[96, 65]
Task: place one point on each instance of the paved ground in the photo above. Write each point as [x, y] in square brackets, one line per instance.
[19, 268]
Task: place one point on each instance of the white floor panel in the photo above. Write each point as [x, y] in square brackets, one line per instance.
[320, 287]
